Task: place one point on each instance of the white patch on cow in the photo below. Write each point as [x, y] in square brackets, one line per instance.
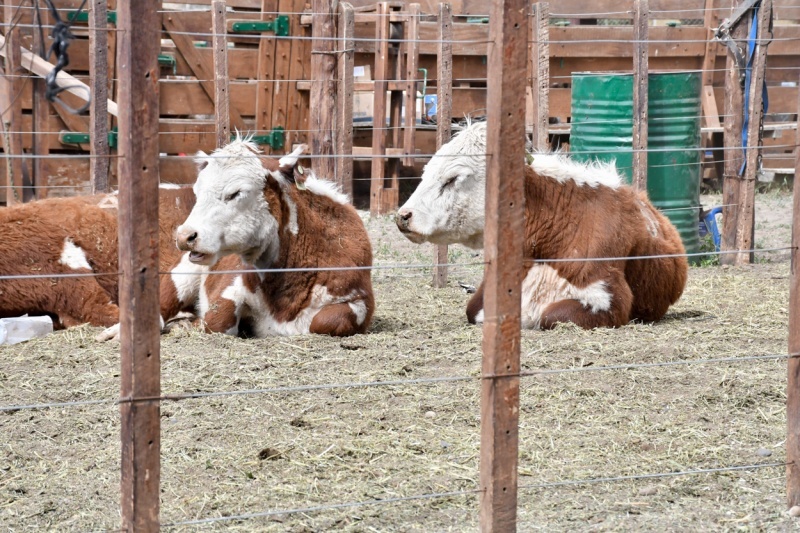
[73, 256]
[479, 317]
[202, 298]
[543, 286]
[186, 276]
[650, 219]
[236, 292]
[168, 186]
[293, 227]
[231, 215]
[562, 169]
[359, 308]
[327, 188]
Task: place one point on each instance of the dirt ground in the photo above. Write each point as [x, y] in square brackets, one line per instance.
[280, 450]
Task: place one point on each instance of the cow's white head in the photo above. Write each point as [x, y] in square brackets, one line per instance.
[448, 205]
[231, 215]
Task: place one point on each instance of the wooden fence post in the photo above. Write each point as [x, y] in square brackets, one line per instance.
[444, 115]
[793, 365]
[323, 86]
[41, 114]
[138, 48]
[503, 249]
[745, 222]
[540, 69]
[221, 93]
[98, 107]
[344, 115]
[380, 75]
[640, 83]
[412, 71]
[11, 106]
[734, 158]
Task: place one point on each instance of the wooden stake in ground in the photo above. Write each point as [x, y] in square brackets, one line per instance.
[140, 376]
[640, 83]
[221, 93]
[11, 106]
[344, 115]
[793, 384]
[323, 88]
[41, 115]
[503, 248]
[540, 68]
[444, 115]
[745, 222]
[98, 106]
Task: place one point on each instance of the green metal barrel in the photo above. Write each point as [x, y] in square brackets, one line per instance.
[602, 128]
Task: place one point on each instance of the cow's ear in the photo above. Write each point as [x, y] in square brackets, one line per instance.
[201, 159]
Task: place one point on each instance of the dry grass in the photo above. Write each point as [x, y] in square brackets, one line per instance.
[276, 451]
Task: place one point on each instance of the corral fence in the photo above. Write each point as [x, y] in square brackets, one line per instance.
[129, 136]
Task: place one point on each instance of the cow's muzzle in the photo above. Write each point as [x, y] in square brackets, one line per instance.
[403, 220]
[186, 239]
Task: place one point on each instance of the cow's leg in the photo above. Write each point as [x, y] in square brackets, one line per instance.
[221, 316]
[606, 302]
[475, 307]
[338, 320]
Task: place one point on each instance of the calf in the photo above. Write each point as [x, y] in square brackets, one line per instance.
[572, 211]
[254, 214]
[63, 236]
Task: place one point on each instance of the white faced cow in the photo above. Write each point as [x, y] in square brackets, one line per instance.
[258, 213]
[572, 210]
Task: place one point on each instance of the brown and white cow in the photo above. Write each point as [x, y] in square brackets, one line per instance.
[250, 216]
[572, 210]
[64, 236]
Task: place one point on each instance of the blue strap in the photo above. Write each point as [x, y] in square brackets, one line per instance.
[748, 71]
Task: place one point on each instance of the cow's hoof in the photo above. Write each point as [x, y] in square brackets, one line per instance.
[108, 334]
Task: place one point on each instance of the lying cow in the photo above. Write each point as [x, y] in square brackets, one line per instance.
[572, 210]
[64, 236]
[252, 214]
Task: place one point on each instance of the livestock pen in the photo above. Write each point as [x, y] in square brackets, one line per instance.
[675, 425]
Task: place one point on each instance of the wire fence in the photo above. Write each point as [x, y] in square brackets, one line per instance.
[180, 396]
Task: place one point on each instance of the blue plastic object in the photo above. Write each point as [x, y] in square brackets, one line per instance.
[713, 223]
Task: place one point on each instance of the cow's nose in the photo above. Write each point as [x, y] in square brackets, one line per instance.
[403, 218]
[186, 238]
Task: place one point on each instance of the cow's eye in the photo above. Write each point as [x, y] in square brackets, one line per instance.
[232, 196]
[449, 182]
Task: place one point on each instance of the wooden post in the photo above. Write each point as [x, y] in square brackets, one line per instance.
[344, 115]
[380, 73]
[41, 116]
[745, 222]
[265, 84]
[412, 70]
[793, 365]
[503, 249]
[444, 115]
[640, 82]
[323, 87]
[540, 69]
[11, 104]
[221, 94]
[138, 47]
[98, 107]
[732, 142]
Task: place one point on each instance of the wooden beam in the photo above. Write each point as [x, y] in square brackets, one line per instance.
[412, 66]
[222, 99]
[201, 64]
[745, 222]
[265, 82]
[732, 143]
[380, 73]
[12, 107]
[444, 116]
[140, 376]
[297, 114]
[503, 250]
[41, 117]
[640, 83]
[323, 90]
[284, 86]
[540, 69]
[98, 107]
[793, 365]
[344, 115]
